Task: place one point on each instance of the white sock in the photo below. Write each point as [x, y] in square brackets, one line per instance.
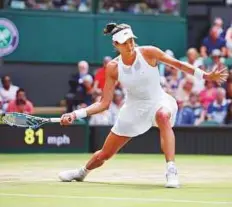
[171, 164]
[85, 170]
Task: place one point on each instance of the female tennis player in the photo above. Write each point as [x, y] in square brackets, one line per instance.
[146, 103]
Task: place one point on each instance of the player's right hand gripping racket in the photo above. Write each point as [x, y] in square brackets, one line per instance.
[27, 121]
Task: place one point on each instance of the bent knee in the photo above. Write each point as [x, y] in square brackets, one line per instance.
[162, 117]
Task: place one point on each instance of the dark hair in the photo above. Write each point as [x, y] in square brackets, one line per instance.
[228, 117]
[113, 28]
[19, 90]
[4, 77]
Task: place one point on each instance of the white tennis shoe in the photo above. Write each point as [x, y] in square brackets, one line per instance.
[73, 175]
[172, 178]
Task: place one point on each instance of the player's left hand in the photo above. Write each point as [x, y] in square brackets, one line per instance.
[218, 75]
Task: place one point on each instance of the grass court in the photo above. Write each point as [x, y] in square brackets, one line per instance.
[128, 180]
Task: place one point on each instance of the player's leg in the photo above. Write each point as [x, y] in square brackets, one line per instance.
[162, 117]
[112, 145]
[162, 144]
[167, 135]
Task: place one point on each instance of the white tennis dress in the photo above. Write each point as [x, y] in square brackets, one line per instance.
[144, 97]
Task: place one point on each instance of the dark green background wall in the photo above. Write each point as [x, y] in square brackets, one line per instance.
[189, 140]
[67, 37]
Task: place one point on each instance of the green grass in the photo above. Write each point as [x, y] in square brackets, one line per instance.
[127, 180]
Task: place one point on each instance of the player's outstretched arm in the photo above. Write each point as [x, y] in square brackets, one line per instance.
[217, 74]
[107, 96]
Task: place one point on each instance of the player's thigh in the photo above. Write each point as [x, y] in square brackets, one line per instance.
[114, 143]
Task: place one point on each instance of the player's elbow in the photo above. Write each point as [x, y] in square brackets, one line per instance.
[105, 105]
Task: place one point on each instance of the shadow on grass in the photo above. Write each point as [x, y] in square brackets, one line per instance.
[126, 185]
[144, 186]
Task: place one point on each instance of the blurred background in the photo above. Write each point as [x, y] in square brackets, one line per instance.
[56, 61]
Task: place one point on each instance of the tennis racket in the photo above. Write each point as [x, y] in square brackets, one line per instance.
[27, 121]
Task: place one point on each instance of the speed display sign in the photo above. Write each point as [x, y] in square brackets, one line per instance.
[49, 138]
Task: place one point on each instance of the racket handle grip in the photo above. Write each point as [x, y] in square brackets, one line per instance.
[54, 120]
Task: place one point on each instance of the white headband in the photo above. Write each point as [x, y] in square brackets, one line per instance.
[123, 36]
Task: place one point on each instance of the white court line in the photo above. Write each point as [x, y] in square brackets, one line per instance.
[27, 181]
[146, 200]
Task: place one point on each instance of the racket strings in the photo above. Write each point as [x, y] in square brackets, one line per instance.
[23, 120]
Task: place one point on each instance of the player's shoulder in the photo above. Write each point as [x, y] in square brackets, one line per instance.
[147, 47]
[112, 67]
[113, 64]
[149, 50]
